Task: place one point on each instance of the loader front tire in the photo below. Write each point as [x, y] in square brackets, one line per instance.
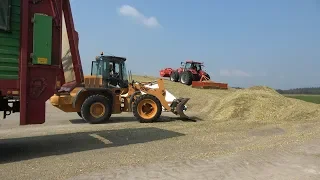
[147, 108]
[96, 109]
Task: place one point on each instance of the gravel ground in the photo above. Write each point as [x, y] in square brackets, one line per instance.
[67, 148]
[302, 162]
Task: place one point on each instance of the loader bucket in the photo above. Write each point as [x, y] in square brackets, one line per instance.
[205, 83]
[178, 107]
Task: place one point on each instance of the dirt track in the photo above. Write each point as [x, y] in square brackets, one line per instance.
[67, 148]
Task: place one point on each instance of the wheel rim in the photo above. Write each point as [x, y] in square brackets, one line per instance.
[147, 108]
[97, 110]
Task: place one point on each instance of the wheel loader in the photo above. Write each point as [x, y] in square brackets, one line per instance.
[108, 91]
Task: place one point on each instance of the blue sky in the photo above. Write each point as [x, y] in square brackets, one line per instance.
[244, 43]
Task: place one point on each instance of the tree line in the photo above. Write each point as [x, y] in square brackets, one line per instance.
[308, 90]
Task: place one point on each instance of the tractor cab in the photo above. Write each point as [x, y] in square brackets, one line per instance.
[191, 65]
[112, 70]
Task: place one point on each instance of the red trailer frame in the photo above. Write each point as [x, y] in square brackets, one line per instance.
[37, 83]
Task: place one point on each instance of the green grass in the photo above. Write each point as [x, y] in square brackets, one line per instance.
[305, 97]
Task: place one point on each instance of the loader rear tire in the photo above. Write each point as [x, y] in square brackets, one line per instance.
[147, 108]
[186, 78]
[174, 77]
[96, 109]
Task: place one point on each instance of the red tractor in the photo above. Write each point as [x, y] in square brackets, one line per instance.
[188, 72]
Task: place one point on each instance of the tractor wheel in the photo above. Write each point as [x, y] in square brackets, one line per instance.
[207, 76]
[147, 108]
[174, 76]
[96, 109]
[186, 78]
[79, 113]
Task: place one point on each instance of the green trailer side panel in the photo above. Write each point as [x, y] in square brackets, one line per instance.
[42, 39]
[10, 45]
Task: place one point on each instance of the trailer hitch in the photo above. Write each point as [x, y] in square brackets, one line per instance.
[6, 112]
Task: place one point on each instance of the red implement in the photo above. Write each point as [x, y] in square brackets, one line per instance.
[166, 72]
[205, 83]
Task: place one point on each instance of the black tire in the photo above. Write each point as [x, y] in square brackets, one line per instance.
[138, 103]
[186, 78]
[102, 101]
[133, 98]
[208, 76]
[174, 76]
[79, 113]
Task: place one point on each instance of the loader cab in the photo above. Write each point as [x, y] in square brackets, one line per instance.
[112, 70]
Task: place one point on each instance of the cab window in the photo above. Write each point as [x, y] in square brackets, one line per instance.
[188, 65]
[94, 68]
[117, 68]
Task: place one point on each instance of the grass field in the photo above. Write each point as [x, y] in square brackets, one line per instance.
[305, 97]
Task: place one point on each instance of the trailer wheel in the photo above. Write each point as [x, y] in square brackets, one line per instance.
[174, 76]
[186, 78]
[96, 109]
[147, 108]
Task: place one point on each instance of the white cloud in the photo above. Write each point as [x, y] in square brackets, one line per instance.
[132, 12]
[234, 73]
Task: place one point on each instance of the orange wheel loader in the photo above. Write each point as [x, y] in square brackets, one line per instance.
[107, 91]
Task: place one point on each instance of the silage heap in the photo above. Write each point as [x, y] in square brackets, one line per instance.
[261, 104]
[257, 103]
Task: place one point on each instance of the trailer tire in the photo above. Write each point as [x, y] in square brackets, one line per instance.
[174, 77]
[96, 102]
[186, 78]
[147, 108]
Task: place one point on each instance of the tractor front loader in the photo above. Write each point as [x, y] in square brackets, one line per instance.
[107, 91]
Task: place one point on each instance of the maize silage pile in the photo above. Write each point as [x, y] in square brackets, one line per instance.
[257, 103]
[262, 104]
